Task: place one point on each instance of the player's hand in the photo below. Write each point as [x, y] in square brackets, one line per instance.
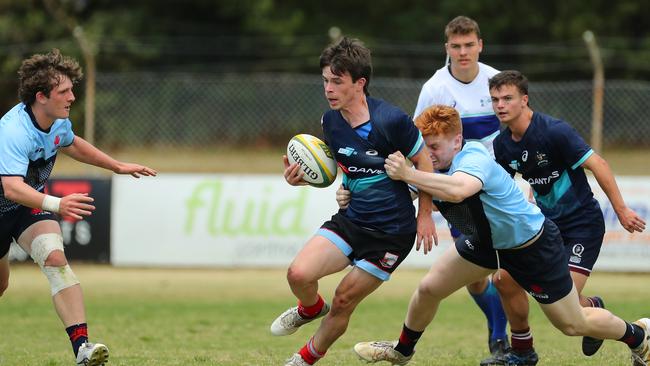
[395, 166]
[76, 205]
[630, 220]
[342, 197]
[427, 236]
[136, 170]
[292, 173]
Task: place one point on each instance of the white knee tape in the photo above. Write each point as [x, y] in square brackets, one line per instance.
[45, 244]
[60, 277]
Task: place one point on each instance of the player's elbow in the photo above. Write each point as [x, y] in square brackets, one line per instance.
[455, 196]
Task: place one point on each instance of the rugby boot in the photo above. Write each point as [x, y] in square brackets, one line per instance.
[289, 321]
[641, 354]
[92, 354]
[372, 352]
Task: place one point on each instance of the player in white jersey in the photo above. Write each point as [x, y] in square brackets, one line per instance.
[31, 134]
[463, 84]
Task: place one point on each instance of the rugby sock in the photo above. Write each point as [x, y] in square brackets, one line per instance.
[490, 304]
[78, 334]
[596, 302]
[521, 340]
[312, 310]
[407, 341]
[633, 336]
[309, 353]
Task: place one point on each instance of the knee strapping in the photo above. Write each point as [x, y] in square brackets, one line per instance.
[45, 244]
[59, 277]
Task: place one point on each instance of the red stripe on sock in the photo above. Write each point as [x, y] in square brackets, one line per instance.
[81, 331]
[311, 310]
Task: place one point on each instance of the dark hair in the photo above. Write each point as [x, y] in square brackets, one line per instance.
[510, 77]
[43, 73]
[348, 55]
[462, 25]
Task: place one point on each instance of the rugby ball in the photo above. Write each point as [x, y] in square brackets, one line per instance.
[315, 159]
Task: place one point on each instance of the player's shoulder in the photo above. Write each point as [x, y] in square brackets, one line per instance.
[15, 121]
[439, 78]
[547, 124]
[488, 70]
[476, 148]
[383, 112]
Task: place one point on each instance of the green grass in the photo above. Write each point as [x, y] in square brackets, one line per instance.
[221, 317]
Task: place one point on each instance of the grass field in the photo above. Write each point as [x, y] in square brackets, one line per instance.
[269, 161]
[221, 317]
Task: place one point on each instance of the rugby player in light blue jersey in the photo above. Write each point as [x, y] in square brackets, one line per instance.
[31, 134]
[552, 156]
[463, 84]
[500, 229]
[376, 231]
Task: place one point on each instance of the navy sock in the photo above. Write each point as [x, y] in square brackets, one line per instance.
[490, 304]
[407, 341]
[78, 334]
[633, 336]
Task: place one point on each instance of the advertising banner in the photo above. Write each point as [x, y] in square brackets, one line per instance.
[260, 220]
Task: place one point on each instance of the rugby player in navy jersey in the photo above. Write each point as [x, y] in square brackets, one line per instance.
[552, 156]
[31, 134]
[376, 231]
[463, 84]
[500, 229]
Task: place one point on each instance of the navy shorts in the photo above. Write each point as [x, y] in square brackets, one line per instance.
[14, 222]
[540, 268]
[373, 251]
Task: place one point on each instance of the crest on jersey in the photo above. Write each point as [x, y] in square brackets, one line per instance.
[542, 159]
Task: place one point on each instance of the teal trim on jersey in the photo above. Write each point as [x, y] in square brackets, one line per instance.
[583, 159]
[372, 269]
[477, 115]
[358, 185]
[337, 240]
[560, 187]
[417, 146]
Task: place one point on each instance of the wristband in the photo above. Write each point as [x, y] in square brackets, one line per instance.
[51, 203]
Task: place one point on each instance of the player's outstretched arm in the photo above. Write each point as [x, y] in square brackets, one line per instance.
[74, 205]
[81, 150]
[629, 219]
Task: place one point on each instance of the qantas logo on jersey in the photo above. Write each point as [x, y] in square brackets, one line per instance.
[545, 180]
[354, 169]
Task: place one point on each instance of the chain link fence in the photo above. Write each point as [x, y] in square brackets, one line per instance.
[192, 110]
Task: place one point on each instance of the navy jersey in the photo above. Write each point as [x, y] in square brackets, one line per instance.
[377, 202]
[28, 151]
[549, 157]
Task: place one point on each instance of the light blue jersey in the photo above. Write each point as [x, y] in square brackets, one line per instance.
[498, 216]
[28, 151]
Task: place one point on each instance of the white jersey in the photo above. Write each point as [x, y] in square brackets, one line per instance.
[471, 100]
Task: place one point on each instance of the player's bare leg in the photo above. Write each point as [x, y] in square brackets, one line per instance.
[4, 273]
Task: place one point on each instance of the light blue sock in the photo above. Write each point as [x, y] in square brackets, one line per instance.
[490, 304]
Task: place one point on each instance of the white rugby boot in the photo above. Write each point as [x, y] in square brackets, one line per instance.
[289, 321]
[296, 360]
[92, 354]
[381, 351]
[641, 354]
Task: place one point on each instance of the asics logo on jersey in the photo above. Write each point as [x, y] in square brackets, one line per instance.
[372, 152]
[544, 180]
[347, 151]
[524, 156]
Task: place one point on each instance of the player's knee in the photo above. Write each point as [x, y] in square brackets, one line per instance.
[506, 285]
[296, 276]
[47, 251]
[429, 289]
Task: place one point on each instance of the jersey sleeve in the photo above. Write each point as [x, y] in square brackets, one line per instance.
[430, 95]
[14, 154]
[403, 134]
[571, 146]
